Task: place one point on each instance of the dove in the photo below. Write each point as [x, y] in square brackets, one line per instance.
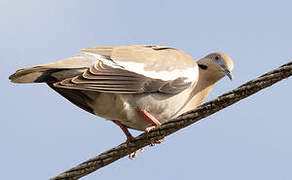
[136, 86]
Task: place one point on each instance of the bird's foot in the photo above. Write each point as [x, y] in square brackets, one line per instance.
[147, 130]
[129, 138]
[134, 154]
[155, 123]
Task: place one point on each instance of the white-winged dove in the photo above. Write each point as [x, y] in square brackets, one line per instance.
[138, 86]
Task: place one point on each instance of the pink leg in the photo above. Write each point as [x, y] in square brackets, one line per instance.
[150, 118]
[153, 121]
[124, 129]
[129, 137]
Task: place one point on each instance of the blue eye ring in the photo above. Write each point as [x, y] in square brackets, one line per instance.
[216, 58]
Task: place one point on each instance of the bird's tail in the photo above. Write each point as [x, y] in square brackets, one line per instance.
[51, 72]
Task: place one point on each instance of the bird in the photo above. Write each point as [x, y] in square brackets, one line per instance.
[135, 86]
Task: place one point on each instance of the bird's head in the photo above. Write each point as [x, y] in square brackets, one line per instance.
[216, 65]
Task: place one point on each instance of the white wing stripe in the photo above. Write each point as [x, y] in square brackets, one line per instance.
[191, 73]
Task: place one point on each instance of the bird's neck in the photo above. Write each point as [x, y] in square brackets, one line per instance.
[199, 92]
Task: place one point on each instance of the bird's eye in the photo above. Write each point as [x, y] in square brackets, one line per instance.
[216, 58]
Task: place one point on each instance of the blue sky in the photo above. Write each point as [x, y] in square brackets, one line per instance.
[42, 134]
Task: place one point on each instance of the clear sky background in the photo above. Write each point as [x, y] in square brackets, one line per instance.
[42, 134]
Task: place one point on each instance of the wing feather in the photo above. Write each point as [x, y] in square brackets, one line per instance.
[104, 78]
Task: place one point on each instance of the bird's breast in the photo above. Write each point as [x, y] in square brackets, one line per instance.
[125, 107]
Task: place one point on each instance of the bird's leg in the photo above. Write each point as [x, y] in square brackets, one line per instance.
[153, 121]
[124, 129]
[129, 137]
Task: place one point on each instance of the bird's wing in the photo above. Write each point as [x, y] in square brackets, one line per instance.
[135, 69]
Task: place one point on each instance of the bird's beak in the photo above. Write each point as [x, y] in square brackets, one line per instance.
[227, 72]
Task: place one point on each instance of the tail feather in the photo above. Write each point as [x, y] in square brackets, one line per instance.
[40, 74]
[60, 70]
[28, 75]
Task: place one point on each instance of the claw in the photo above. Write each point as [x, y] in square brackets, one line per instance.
[142, 149]
[147, 130]
[133, 155]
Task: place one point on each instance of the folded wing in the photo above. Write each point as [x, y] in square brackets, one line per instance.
[134, 70]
